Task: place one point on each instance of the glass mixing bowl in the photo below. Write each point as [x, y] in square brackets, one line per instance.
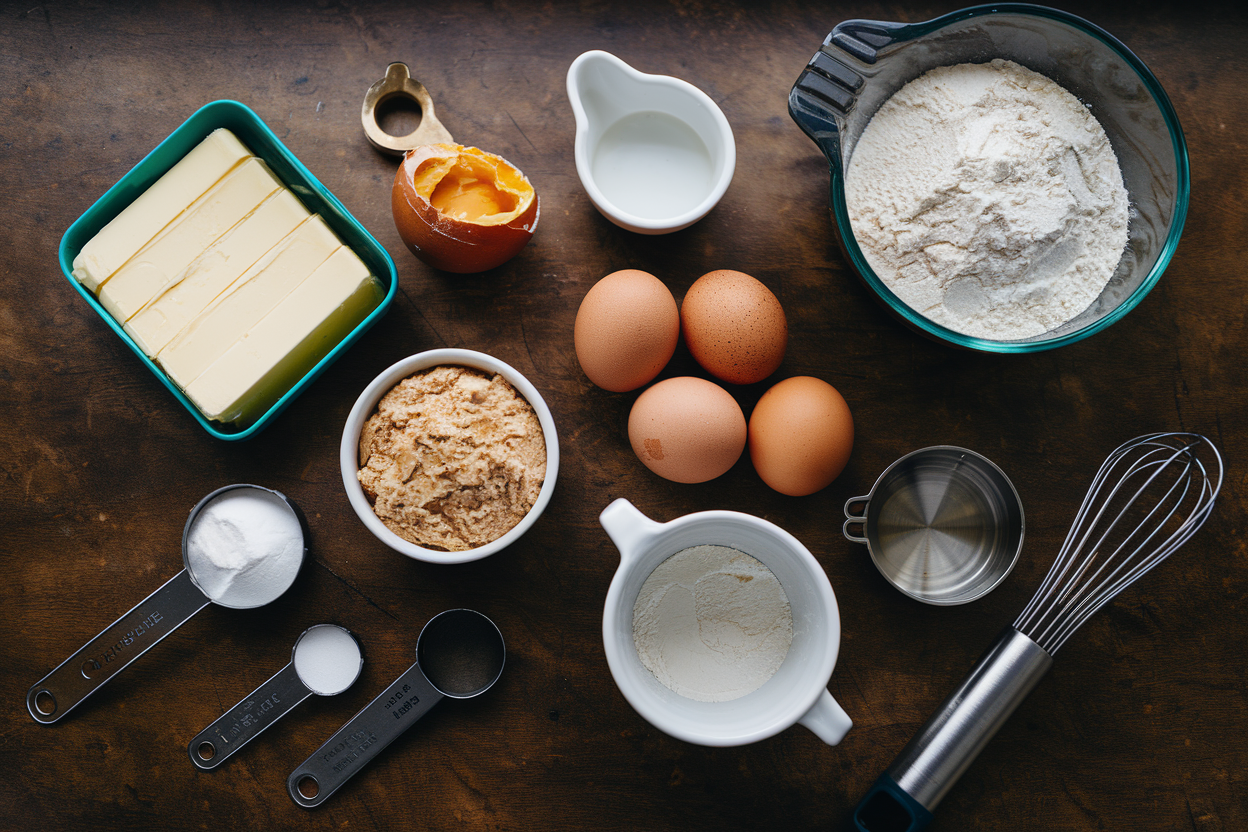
[863, 62]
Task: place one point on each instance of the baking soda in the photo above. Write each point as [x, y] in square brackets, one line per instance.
[327, 660]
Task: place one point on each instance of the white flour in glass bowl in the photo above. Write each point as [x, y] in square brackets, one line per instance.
[988, 199]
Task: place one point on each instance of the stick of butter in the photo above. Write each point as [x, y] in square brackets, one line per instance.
[215, 271]
[149, 272]
[262, 287]
[281, 348]
[156, 207]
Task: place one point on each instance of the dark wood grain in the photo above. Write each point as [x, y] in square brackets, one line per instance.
[1143, 722]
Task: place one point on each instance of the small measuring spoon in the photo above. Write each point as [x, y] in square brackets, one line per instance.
[326, 660]
[459, 654]
[162, 612]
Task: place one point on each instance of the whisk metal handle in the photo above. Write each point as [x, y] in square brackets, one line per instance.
[922, 774]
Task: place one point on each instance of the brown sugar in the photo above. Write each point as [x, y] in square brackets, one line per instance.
[452, 458]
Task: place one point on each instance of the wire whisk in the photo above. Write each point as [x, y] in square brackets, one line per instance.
[1147, 499]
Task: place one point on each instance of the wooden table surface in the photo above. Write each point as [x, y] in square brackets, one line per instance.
[1142, 723]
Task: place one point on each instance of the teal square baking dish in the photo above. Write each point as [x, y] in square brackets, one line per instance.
[254, 133]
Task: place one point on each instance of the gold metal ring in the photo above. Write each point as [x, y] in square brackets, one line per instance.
[399, 83]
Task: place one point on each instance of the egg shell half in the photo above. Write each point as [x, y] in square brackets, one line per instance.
[448, 173]
[687, 429]
[801, 435]
[734, 326]
[626, 330]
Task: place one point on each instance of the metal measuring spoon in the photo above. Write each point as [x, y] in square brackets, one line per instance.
[459, 654]
[308, 673]
[155, 617]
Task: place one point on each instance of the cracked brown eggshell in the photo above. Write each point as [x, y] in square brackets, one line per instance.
[461, 209]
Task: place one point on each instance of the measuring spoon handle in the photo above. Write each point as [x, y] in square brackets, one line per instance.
[238, 726]
[104, 656]
[362, 738]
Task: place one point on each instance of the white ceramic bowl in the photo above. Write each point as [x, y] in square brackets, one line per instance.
[348, 453]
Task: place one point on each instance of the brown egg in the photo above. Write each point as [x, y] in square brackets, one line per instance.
[801, 435]
[734, 326]
[461, 209]
[687, 429]
[626, 330]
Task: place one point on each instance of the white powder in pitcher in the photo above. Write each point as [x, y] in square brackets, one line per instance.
[989, 200]
[712, 623]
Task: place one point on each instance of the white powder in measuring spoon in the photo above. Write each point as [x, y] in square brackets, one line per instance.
[712, 623]
[327, 659]
[989, 200]
[245, 548]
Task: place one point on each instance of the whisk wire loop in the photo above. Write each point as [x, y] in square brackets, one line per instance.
[1146, 500]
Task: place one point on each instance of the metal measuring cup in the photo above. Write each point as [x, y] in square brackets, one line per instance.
[943, 524]
[279, 695]
[136, 632]
[459, 654]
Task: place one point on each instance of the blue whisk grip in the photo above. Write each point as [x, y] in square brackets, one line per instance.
[887, 807]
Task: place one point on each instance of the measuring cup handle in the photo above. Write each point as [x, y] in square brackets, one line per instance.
[239, 725]
[853, 518]
[400, 83]
[104, 656]
[362, 738]
[627, 527]
[827, 719]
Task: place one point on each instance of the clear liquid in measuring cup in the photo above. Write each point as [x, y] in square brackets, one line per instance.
[653, 165]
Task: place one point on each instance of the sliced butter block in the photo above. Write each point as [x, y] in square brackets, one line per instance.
[158, 206]
[261, 288]
[282, 347]
[147, 274]
[214, 271]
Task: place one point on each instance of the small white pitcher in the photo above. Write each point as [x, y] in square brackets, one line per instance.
[654, 153]
[797, 693]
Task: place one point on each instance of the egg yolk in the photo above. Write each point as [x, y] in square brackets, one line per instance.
[474, 187]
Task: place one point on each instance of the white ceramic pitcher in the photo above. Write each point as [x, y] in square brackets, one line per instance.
[797, 693]
[654, 153]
